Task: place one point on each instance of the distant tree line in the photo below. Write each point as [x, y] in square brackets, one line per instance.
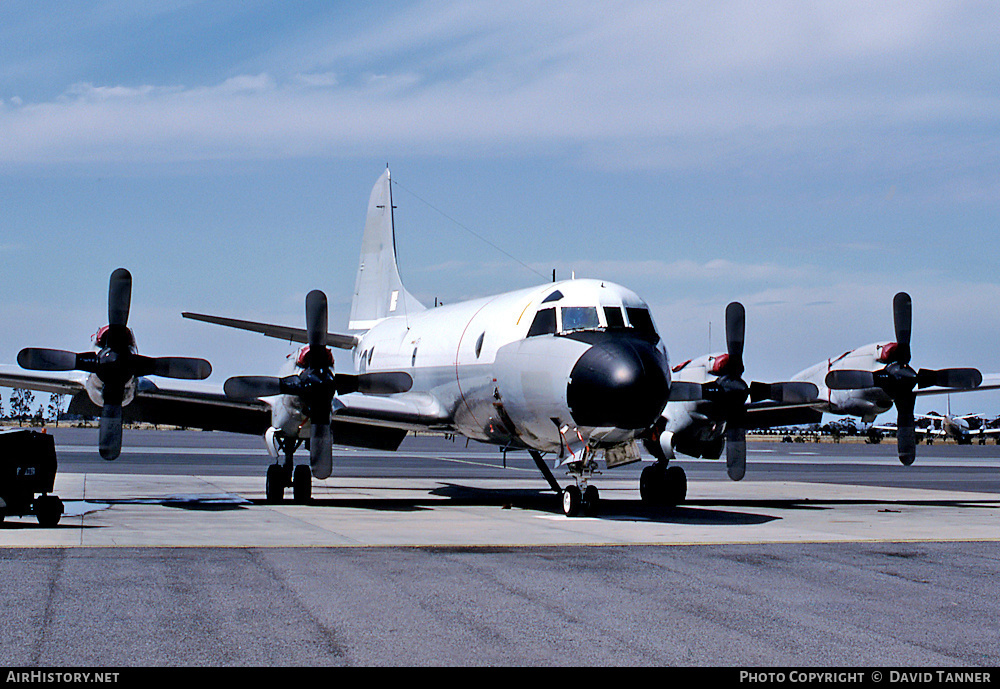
[21, 407]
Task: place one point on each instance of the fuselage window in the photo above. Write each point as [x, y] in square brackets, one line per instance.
[613, 316]
[544, 323]
[579, 317]
[642, 321]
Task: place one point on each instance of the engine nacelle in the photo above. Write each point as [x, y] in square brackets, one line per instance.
[95, 390]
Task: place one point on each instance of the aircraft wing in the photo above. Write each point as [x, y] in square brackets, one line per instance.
[206, 406]
[281, 332]
[771, 414]
[165, 402]
[991, 381]
[360, 420]
[188, 405]
[59, 382]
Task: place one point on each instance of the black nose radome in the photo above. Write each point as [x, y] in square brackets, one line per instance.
[621, 382]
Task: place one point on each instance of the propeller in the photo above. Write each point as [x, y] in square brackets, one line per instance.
[315, 385]
[729, 392]
[898, 380]
[116, 363]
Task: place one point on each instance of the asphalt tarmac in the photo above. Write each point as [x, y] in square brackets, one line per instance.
[442, 555]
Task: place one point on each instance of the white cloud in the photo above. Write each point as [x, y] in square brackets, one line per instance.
[633, 85]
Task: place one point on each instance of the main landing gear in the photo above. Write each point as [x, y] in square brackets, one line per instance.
[662, 486]
[280, 476]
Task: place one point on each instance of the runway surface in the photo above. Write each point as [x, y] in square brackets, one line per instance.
[446, 555]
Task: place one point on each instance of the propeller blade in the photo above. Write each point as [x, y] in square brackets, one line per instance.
[321, 450]
[173, 367]
[682, 391]
[111, 431]
[906, 436]
[736, 452]
[39, 359]
[845, 379]
[252, 387]
[794, 392]
[380, 383]
[316, 318]
[735, 331]
[902, 316]
[119, 297]
[965, 378]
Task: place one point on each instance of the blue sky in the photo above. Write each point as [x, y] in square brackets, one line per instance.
[807, 159]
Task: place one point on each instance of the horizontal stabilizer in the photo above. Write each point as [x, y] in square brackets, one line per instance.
[279, 332]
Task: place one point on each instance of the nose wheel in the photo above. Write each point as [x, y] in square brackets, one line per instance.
[576, 502]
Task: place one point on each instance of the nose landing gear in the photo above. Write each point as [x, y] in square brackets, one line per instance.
[579, 497]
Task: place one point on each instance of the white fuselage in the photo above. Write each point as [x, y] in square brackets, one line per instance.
[493, 375]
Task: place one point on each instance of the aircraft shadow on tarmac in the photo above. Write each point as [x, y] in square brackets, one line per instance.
[693, 512]
[32, 525]
[221, 502]
[697, 512]
[542, 501]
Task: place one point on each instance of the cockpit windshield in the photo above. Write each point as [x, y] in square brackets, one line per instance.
[544, 323]
[613, 317]
[567, 319]
[579, 318]
[640, 319]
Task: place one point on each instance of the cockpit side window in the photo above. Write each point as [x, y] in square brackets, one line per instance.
[641, 320]
[613, 316]
[544, 323]
[579, 318]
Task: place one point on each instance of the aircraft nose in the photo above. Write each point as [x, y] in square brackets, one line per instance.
[620, 382]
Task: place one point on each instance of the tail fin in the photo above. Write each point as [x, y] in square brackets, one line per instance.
[378, 291]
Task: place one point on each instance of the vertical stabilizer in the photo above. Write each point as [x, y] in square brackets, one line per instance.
[378, 291]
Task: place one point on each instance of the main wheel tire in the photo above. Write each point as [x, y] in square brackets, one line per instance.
[274, 486]
[302, 484]
[48, 510]
[651, 484]
[571, 501]
[675, 486]
[591, 501]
